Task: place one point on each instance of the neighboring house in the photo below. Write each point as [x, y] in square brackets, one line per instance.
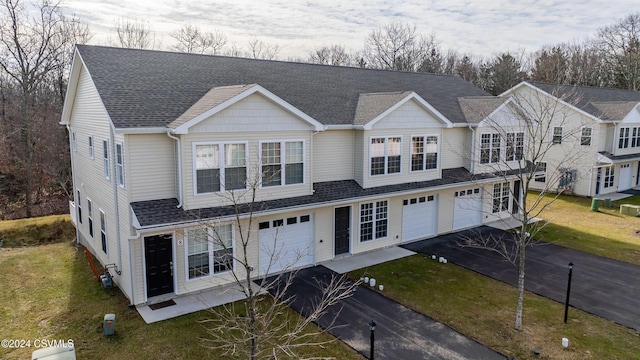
[347, 160]
[596, 137]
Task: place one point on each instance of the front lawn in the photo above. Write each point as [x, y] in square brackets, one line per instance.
[49, 292]
[608, 233]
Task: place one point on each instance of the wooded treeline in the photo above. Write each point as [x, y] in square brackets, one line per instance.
[36, 49]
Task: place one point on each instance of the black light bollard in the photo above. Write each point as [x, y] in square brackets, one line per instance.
[372, 328]
[566, 303]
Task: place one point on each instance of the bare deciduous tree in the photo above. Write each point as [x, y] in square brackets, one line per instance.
[397, 46]
[259, 326]
[191, 40]
[35, 56]
[258, 49]
[530, 154]
[133, 34]
[619, 45]
[331, 55]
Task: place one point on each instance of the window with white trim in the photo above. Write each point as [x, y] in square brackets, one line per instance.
[220, 167]
[585, 136]
[541, 166]
[105, 158]
[557, 135]
[609, 175]
[515, 146]
[424, 153]
[74, 142]
[209, 250]
[120, 164]
[279, 170]
[374, 220]
[635, 137]
[623, 141]
[490, 148]
[103, 231]
[90, 216]
[91, 147]
[79, 206]
[500, 197]
[385, 155]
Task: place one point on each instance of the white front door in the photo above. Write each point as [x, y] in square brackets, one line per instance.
[419, 217]
[467, 208]
[624, 180]
[285, 243]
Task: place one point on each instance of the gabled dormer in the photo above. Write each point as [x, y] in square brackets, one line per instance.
[398, 139]
[238, 137]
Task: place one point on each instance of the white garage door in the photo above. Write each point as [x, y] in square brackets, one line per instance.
[285, 244]
[467, 208]
[625, 177]
[419, 217]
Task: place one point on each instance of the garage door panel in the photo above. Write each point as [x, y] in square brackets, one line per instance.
[287, 246]
[419, 217]
[467, 211]
[625, 177]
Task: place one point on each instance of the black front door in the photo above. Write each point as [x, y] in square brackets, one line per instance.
[158, 253]
[342, 222]
[515, 205]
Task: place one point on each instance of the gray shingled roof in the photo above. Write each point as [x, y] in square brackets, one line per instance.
[163, 212]
[614, 110]
[478, 108]
[586, 97]
[143, 88]
[371, 106]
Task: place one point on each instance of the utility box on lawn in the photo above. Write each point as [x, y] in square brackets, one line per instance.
[109, 325]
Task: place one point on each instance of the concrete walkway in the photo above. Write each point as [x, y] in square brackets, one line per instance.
[401, 333]
[360, 261]
[601, 286]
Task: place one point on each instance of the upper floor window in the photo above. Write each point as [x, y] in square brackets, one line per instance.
[490, 148]
[220, 167]
[105, 157]
[500, 197]
[557, 135]
[385, 155]
[120, 164]
[515, 146]
[373, 220]
[91, 147]
[585, 136]
[424, 153]
[635, 137]
[623, 142]
[209, 250]
[282, 167]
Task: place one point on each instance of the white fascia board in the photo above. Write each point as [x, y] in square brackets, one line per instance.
[144, 130]
[184, 128]
[421, 101]
[72, 87]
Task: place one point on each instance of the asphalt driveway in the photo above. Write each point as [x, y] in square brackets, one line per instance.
[601, 286]
[401, 333]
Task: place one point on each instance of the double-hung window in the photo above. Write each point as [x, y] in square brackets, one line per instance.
[79, 206]
[374, 220]
[623, 141]
[220, 167]
[120, 164]
[103, 231]
[424, 153]
[608, 176]
[282, 163]
[635, 138]
[90, 216]
[105, 158]
[500, 197]
[585, 136]
[385, 155]
[209, 250]
[490, 147]
[557, 135]
[515, 146]
[91, 147]
[541, 166]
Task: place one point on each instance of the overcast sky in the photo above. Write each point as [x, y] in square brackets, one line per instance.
[481, 27]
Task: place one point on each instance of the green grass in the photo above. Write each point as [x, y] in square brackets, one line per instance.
[49, 292]
[571, 223]
[36, 231]
[484, 309]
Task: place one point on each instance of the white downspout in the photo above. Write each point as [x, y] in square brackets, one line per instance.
[177, 139]
[133, 294]
[115, 196]
[473, 149]
[73, 180]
